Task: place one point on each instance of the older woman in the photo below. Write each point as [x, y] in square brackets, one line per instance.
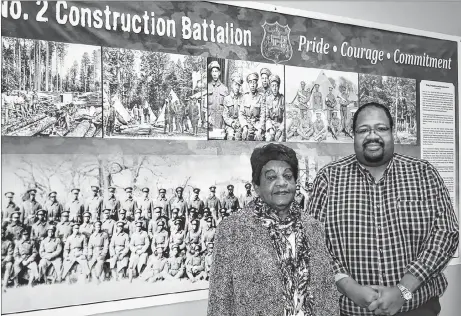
[270, 258]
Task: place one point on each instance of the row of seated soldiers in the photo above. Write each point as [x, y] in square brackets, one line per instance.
[176, 247]
[95, 204]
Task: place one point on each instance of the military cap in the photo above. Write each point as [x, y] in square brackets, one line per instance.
[65, 213]
[87, 214]
[52, 193]
[122, 211]
[247, 185]
[252, 76]
[196, 190]
[206, 210]
[265, 71]
[9, 194]
[214, 64]
[179, 189]
[192, 209]
[145, 190]
[95, 188]
[51, 227]
[32, 190]
[178, 220]
[298, 186]
[230, 187]
[196, 247]
[212, 188]
[138, 211]
[160, 222]
[208, 219]
[237, 78]
[41, 212]
[316, 84]
[138, 223]
[195, 221]
[75, 224]
[162, 191]
[223, 210]
[120, 223]
[98, 222]
[111, 189]
[274, 78]
[158, 208]
[175, 210]
[25, 231]
[175, 246]
[129, 189]
[318, 111]
[107, 210]
[75, 190]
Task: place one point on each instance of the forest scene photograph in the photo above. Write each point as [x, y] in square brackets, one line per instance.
[154, 95]
[399, 95]
[50, 89]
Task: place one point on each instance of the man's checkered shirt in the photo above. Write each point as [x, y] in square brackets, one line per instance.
[376, 232]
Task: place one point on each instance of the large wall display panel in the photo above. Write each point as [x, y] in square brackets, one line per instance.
[157, 106]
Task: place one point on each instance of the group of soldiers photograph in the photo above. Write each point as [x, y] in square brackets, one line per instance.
[255, 115]
[119, 237]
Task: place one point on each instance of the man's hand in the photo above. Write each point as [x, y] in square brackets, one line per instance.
[390, 300]
[363, 296]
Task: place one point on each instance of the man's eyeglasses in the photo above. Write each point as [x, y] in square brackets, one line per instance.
[380, 130]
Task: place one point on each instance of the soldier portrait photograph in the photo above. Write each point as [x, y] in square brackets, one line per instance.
[320, 105]
[51, 89]
[399, 96]
[154, 95]
[246, 100]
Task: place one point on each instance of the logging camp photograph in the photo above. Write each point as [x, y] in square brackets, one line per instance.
[320, 105]
[399, 95]
[154, 95]
[50, 89]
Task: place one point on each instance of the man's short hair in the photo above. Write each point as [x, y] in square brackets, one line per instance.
[376, 105]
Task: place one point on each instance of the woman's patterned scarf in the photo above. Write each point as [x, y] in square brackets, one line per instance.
[295, 269]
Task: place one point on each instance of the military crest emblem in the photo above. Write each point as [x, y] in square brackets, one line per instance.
[276, 45]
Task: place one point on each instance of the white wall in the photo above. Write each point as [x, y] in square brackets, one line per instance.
[434, 16]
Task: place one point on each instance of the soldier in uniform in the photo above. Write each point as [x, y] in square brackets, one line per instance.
[330, 102]
[122, 218]
[194, 235]
[75, 207]
[138, 245]
[180, 115]
[195, 266]
[75, 252]
[213, 203]
[232, 104]
[146, 204]
[208, 259]
[206, 214]
[9, 208]
[175, 215]
[152, 226]
[111, 117]
[145, 111]
[317, 99]
[163, 202]
[320, 128]
[156, 268]
[222, 215]
[275, 111]
[53, 208]
[30, 208]
[15, 228]
[87, 228]
[108, 224]
[208, 233]
[161, 237]
[252, 114]
[343, 102]
[249, 196]
[64, 228]
[335, 125]
[98, 248]
[119, 248]
[216, 94]
[170, 112]
[179, 202]
[178, 235]
[197, 203]
[265, 88]
[193, 113]
[25, 253]
[299, 197]
[38, 231]
[94, 204]
[7, 257]
[138, 218]
[231, 202]
[303, 96]
[176, 266]
[112, 203]
[50, 253]
[129, 205]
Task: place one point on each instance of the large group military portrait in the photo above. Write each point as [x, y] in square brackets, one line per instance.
[320, 105]
[50, 89]
[154, 95]
[246, 100]
[88, 228]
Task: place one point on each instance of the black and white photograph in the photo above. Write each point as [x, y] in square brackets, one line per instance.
[246, 100]
[51, 89]
[154, 95]
[320, 105]
[399, 95]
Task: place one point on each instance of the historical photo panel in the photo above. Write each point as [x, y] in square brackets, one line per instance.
[399, 95]
[50, 89]
[320, 105]
[154, 95]
[246, 100]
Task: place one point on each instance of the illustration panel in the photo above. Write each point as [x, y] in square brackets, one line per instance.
[51, 89]
[154, 95]
[320, 105]
[246, 100]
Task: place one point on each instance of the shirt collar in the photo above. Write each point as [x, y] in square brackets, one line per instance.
[364, 171]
